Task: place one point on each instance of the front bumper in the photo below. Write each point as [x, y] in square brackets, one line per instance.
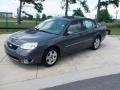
[23, 56]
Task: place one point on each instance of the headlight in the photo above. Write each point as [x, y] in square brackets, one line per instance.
[29, 46]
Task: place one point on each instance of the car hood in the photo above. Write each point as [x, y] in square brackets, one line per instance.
[31, 36]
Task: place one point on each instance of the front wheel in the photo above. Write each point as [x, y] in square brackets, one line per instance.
[50, 57]
[96, 43]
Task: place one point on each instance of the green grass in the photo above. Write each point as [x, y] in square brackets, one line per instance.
[23, 24]
[13, 24]
[114, 27]
[115, 31]
[113, 24]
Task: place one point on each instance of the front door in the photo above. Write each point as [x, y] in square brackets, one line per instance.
[72, 41]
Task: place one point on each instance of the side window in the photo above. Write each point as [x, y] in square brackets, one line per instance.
[74, 27]
[88, 24]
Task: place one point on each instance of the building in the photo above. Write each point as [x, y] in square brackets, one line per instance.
[6, 14]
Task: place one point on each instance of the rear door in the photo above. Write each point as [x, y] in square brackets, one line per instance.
[88, 32]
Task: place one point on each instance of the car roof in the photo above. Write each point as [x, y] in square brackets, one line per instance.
[69, 18]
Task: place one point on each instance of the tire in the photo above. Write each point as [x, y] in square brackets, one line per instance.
[96, 43]
[50, 57]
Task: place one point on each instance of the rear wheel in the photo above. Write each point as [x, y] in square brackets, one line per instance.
[96, 43]
[50, 57]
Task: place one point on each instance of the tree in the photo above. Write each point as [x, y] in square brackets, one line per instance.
[44, 17]
[66, 4]
[30, 17]
[98, 10]
[48, 17]
[105, 16]
[37, 5]
[38, 17]
[105, 4]
[78, 12]
[117, 11]
[24, 17]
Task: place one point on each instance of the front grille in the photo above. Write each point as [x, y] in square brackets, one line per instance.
[12, 46]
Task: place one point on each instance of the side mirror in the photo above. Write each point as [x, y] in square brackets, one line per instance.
[96, 26]
[69, 33]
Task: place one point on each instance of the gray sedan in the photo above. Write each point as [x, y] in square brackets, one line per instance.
[53, 38]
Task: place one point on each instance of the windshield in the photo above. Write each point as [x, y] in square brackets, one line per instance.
[52, 26]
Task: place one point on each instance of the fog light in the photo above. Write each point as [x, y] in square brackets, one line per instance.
[26, 61]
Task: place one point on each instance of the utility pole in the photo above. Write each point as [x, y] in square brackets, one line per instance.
[19, 13]
[7, 22]
[66, 7]
[117, 11]
[98, 10]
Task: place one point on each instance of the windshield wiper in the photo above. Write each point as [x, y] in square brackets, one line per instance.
[44, 31]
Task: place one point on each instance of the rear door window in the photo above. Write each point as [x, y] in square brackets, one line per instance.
[88, 25]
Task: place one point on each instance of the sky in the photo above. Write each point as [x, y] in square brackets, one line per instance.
[53, 7]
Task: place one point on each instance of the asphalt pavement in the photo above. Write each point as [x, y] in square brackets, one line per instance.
[111, 82]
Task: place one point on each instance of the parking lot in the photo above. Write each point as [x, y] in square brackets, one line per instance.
[83, 65]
